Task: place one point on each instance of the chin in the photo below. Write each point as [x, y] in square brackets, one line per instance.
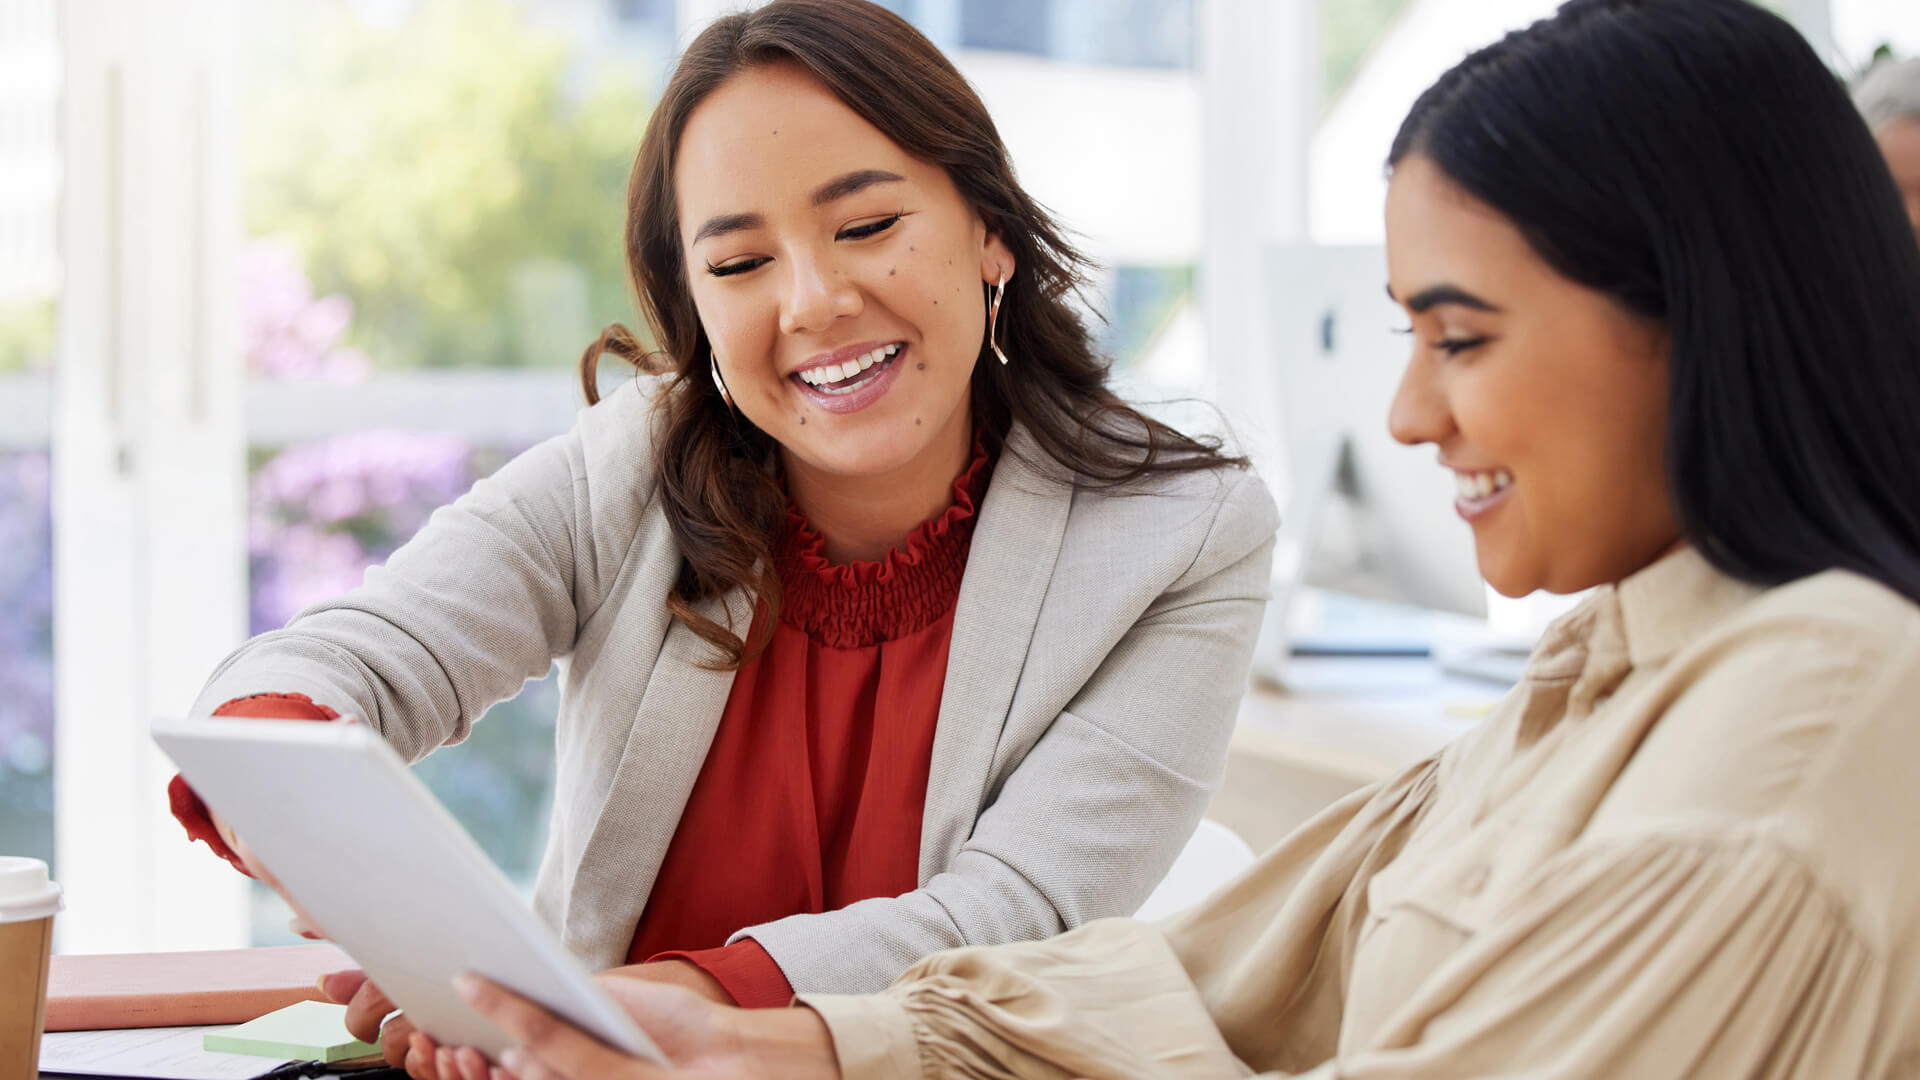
[869, 453]
[1508, 577]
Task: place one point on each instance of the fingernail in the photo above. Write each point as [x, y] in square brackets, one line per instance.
[467, 985]
[514, 1059]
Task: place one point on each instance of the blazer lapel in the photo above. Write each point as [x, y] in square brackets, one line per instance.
[672, 731]
[1015, 545]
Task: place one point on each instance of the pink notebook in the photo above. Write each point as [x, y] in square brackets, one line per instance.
[129, 990]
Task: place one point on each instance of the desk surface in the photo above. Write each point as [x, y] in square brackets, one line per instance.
[1338, 724]
[1360, 718]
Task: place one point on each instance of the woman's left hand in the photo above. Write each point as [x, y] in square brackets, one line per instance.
[701, 1039]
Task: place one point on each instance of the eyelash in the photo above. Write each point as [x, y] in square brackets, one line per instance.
[1456, 346]
[857, 232]
[1450, 346]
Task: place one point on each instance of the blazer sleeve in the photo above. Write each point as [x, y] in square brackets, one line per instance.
[482, 599]
[1094, 815]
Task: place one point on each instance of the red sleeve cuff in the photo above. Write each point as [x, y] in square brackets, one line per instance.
[187, 807]
[744, 970]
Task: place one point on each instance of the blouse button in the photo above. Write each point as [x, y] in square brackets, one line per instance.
[1474, 880]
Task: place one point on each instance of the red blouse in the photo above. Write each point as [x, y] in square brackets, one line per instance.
[817, 776]
[806, 802]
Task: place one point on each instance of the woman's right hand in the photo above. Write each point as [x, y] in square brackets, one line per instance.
[401, 1044]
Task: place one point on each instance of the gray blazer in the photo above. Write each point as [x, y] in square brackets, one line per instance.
[1100, 647]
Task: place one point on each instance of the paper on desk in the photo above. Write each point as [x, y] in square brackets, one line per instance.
[172, 1053]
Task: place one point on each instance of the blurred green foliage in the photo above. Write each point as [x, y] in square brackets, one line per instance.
[26, 335]
[456, 173]
[1348, 31]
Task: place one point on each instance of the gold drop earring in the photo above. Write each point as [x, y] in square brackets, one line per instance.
[993, 317]
[713, 365]
[713, 368]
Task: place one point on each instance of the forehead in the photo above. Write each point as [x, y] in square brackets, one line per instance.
[1438, 232]
[767, 137]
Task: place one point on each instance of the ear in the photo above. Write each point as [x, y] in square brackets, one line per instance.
[996, 260]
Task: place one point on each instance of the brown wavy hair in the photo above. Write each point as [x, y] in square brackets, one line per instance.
[718, 477]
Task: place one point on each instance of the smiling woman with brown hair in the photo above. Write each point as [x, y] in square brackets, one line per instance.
[886, 627]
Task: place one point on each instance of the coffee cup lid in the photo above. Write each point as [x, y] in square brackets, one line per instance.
[25, 892]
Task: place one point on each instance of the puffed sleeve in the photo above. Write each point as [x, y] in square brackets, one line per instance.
[1654, 957]
[1650, 960]
[1118, 998]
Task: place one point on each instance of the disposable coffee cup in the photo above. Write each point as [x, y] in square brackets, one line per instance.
[28, 902]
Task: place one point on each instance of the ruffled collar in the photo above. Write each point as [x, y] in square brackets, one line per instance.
[854, 605]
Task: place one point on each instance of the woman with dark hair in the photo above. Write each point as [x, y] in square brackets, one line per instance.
[886, 626]
[1664, 334]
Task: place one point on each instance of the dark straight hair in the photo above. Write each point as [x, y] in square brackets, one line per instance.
[1696, 161]
[722, 500]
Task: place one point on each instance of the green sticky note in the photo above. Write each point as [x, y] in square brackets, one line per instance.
[304, 1031]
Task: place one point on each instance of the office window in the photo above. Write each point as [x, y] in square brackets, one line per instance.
[643, 12]
[413, 301]
[1023, 26]
[1348, 31]
[1142, 303]
[322, 511]
[26, 654]
[1119, 33]
[29, 284]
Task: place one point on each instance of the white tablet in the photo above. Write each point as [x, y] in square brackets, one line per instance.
[391, 877]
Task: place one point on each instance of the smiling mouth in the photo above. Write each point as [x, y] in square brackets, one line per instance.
[851, 375]
[1480, 486]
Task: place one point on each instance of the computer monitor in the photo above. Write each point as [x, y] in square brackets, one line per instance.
[1361, 514]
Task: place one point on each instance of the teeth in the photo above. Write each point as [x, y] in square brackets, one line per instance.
[1482, 484]
[829, 373]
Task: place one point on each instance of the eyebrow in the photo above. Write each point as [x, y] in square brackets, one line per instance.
[1427, 299]
[833, 190]
[842, 186]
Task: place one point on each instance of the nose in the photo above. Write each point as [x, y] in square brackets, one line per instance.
[1420, 413]
[818, 292]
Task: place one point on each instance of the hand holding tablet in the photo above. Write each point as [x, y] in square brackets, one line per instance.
[388, 873]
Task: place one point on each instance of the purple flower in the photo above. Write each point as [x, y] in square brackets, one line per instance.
[285, 331]
[26, 613]
[323, 512]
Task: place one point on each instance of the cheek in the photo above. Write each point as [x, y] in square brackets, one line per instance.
[740, 324]
[940, 296]
[1585, 434]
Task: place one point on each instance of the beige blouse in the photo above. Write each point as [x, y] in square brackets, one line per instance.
[1687, 845]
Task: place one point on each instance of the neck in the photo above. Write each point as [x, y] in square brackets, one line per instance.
[861, 518]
